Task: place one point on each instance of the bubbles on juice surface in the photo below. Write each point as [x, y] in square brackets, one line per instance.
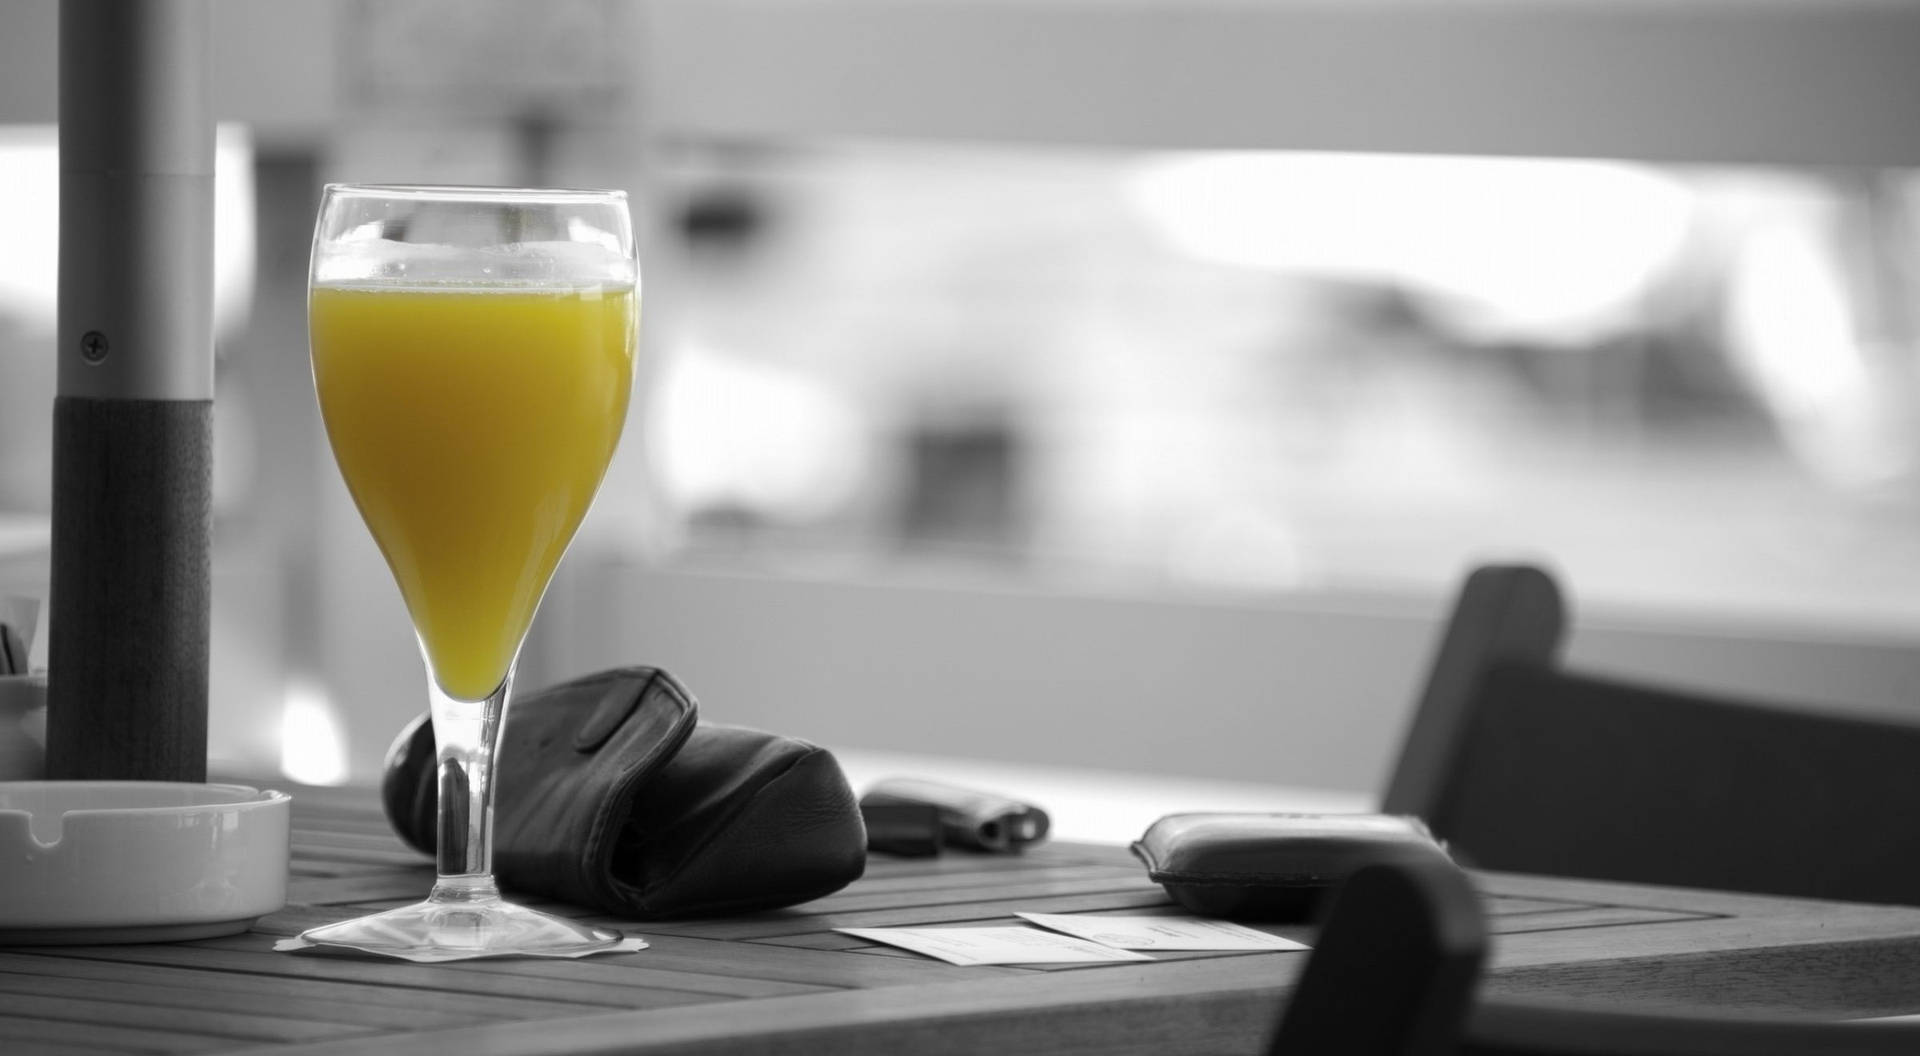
[520, 265]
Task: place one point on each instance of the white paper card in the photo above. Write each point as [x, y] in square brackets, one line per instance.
[974, 946]
[1162, 933]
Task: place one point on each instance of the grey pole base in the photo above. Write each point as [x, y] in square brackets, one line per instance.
[131, 589]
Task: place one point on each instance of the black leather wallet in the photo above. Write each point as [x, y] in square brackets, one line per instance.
[612, 795]
[1272, 866]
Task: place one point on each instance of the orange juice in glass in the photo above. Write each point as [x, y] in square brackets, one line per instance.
[472, 427]
[473, 354]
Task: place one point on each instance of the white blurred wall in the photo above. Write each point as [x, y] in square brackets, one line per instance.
[1306, 691]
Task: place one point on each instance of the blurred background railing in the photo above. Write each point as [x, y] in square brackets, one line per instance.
[1097, 383]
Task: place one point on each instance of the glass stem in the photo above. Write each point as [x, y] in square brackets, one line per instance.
[467, 733]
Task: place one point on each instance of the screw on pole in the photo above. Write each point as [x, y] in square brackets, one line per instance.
[93, 346]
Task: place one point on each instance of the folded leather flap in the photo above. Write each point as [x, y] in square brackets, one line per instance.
[554, 801]
[558, 820]
[740, 800]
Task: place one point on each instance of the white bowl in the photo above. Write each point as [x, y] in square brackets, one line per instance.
[138, 861]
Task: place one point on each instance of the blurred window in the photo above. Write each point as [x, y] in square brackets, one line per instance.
[1686, 387]
[29, 273]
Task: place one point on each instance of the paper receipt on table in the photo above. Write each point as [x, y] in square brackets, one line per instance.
[1162, 933]
[975, 946]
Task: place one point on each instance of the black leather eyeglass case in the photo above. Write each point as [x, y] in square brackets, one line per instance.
[1272, 866]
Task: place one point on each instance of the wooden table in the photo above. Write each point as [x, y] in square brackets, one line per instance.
[785, 982]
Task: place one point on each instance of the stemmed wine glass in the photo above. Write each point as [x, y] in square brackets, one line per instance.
[473, 353]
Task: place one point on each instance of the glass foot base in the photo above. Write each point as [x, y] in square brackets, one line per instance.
[461, 923]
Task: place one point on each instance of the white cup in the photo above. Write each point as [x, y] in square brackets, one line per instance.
[23, 727]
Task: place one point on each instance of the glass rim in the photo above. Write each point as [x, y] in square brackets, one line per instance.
[455, 192]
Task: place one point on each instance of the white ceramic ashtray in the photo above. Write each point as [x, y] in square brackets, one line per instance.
[137, 861]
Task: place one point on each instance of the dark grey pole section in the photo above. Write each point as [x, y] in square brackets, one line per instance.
[132, 481]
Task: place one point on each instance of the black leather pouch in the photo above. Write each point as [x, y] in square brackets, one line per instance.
[612, 795]
[1272, 866]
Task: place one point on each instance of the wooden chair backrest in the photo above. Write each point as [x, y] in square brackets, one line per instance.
[1525, 767]
[1393, 968]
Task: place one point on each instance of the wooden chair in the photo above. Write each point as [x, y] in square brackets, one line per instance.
[1393, 969]
[1526, 767]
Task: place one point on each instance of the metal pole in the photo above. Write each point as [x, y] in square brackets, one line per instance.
[132, 489]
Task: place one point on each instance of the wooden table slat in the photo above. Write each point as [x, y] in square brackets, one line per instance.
[998, 911]
[1596, 917]
[1507, 906]
[381, 839]
[27, 1031]
[17, 1047]
[818, 940]
[112, 1009]
[412, 885]
[777, 962]
[541, 998]
[987, 878]
[391, 857]
[641, 970]
[368, 1004]
[573, 980]
[308, 824]
[1017, 891]
[327, 868]
[1045, 858]
[194, 999]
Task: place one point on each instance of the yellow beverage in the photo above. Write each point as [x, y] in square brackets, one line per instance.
[473, 427]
